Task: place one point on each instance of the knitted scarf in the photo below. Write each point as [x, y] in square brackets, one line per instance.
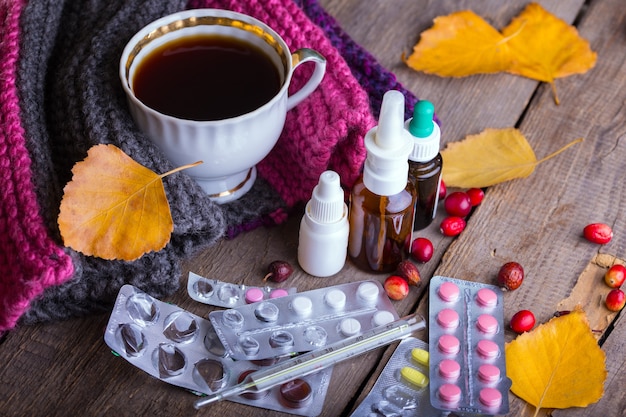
[60, 95]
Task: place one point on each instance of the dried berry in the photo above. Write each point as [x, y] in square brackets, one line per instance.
[422, 249]
[475, 195]
[615, 300]
[408, 271]
[511, 276]
[522, 321]
[598, 233]
[396, 287]
[615, 276]
[442, 190]
[452, 226]
[458, 204]
[278, 271]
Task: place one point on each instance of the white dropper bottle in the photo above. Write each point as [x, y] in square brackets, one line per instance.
[324, 229]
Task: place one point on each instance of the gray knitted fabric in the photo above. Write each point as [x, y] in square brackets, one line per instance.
[71, 99]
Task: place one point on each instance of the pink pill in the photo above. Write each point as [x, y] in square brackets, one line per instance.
[488, 373]
[486, 297]
[449, 369]
[490, 397]
[487, 349]
[487, 324]
[448, 318]
[449, 393]
[254, 295]
[449, 344]
[277, 293]
[449, 292]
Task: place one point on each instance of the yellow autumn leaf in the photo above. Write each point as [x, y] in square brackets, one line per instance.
[459, 45]
[490, 157]
[558, 364]
[114, 208]
[545, 47]
[536, 44]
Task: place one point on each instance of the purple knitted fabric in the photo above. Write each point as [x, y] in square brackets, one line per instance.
[60, 95]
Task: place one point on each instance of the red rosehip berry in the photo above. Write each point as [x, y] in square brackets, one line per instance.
[522, 321]
[475, 195]
[615, 276]
[615, 300]
[452, 226]
[396, 287]
[511, 276]
[457, 204]
[422, 250]
[598, 233]
[442, 190]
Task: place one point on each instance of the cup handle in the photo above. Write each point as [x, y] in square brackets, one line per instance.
[298, 57]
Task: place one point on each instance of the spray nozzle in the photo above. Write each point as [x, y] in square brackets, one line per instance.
[422, 124]
[391, 122]
[388, 146]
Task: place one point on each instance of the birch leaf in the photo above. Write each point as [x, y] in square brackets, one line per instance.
[558, 364]
[545, 47]
[114, 208]
[489, 158]
[459, 45]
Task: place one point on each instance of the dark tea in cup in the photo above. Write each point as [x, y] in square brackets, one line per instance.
[206, 77]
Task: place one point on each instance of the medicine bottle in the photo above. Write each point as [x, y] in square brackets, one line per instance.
[323, 238]
[425, 162]
[382, 200]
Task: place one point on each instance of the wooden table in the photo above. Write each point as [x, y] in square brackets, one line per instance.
[65, 369]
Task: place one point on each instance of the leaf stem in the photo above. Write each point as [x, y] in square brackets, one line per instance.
[180, 168]
[553, 154]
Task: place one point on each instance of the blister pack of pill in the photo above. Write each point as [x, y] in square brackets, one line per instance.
[182, 349]
[225, 294]
[304, 321]
[401, 389]
[466, 338]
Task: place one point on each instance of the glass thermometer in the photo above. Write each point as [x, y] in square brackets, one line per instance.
[316, 360]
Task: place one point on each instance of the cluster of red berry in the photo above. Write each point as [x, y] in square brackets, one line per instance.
[458, 205]
[616, 275]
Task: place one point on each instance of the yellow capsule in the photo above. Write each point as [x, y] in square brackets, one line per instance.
[414, 377]
[420, 356]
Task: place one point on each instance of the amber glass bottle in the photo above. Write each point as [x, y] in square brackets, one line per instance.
[379, 227]
[425, 162]
[382, 201]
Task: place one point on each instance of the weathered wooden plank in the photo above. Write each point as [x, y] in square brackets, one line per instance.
[66, 369]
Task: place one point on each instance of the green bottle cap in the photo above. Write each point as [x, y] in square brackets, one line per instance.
[422, 124]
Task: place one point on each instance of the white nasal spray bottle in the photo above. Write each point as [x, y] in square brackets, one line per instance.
[324, 229]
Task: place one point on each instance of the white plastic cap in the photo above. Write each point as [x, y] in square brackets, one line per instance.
[425, 132]
[388, 147]
[324, 229]
[327, 201]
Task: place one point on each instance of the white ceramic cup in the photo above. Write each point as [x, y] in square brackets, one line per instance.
[229, 148]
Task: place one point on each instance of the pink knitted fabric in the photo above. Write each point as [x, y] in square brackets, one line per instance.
[30, 261]
[326, 130]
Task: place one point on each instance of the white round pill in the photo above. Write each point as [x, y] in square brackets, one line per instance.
[335, 298]
[302, 305]
[349, 327]
[382, 317]
[368, 291]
